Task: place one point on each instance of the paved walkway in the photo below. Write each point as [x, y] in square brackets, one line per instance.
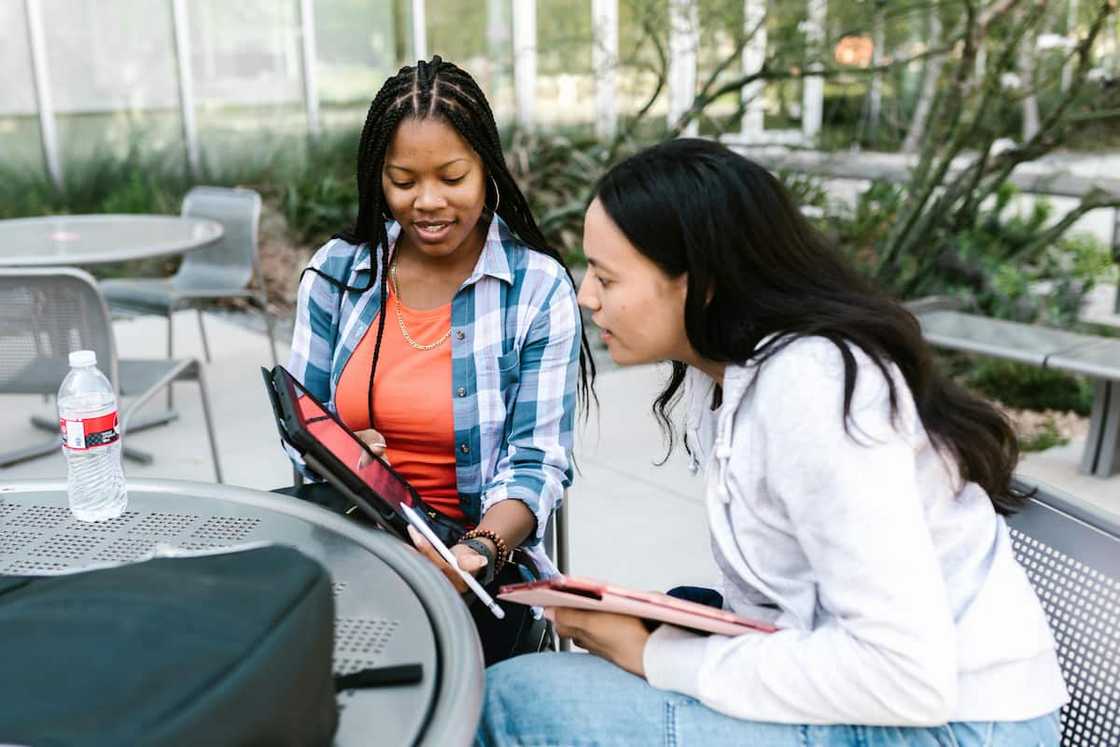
[622, 507]
[631, 521]
[246, 433]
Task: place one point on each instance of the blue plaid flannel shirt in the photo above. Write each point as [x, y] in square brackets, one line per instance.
[515, 362]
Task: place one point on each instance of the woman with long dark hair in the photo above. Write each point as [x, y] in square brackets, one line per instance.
[854, 497]
[443, 329]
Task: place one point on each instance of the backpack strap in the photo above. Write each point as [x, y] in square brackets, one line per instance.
[401, 674]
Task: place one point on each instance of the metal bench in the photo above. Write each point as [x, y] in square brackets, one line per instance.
[1071, 553]
[1097, 358]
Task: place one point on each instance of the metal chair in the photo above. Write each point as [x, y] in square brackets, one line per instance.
[556, 536]
[45, 314]
[1071, 552]
[556, 545]
[224, 270]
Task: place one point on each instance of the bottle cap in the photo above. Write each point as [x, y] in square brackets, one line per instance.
[81, 358]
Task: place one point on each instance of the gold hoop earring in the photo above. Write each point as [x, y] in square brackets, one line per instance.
[497, 196]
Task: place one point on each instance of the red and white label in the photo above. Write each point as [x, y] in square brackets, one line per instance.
[90, 433]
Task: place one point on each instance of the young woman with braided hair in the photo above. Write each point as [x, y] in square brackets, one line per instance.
[444, 330]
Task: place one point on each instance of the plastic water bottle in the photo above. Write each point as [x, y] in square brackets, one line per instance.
[91, 441]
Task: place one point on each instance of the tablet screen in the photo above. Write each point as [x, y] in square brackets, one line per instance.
[346, 447]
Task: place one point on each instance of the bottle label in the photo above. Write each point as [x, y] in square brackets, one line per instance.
[90, 433]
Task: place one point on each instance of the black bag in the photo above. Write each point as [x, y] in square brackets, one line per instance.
[220, 649]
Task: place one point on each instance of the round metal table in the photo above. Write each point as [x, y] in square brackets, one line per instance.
[92, 239]
[391, 605]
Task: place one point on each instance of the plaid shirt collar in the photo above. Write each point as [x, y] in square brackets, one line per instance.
[491, 262]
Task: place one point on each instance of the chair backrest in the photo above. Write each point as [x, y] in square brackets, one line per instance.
[555, 539]
[230, 263]
[45, 314]
[1071, 552]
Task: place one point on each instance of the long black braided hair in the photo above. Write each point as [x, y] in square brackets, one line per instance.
[443, 90]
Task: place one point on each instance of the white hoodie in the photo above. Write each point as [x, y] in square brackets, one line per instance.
[896, 587]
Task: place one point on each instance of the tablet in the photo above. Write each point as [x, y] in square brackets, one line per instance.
[588, 594]
[335, 453]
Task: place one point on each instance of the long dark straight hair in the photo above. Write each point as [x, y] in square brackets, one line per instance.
[439, 89]
[756, 268]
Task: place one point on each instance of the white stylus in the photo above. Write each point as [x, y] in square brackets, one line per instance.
[422, 526]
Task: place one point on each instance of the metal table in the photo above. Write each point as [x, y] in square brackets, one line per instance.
[392, 606]
[94, 239]
[55, 240]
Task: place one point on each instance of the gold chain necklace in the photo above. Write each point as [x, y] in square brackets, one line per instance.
[400, 316]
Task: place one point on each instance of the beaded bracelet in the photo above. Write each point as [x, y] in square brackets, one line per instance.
[503, 548]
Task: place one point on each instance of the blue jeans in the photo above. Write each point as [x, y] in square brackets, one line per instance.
[578, 699]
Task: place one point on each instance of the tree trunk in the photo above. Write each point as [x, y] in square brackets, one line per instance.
[875, 95]
[401, 25]
[812, 86]
[928, 92]
[1071, 33]
[1027, 58]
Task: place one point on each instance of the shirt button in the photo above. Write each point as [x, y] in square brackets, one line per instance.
[464, 448]
[462, 391]
[460, 334]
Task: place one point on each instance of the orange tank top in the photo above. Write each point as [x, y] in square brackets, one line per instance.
[411, 400]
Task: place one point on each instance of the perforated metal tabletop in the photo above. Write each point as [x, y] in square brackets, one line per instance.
[392, 607]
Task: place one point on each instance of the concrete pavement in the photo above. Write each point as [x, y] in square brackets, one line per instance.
[631, 522]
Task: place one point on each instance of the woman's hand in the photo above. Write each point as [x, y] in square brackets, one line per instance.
[468, 560]
[376, 443]
[620, 639]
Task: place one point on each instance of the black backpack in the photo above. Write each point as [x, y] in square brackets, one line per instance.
[229, 649]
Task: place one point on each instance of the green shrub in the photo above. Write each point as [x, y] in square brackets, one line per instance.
[998, 266]
[1045, 438]
[1027, 387]
[859, 231]
[143, 182]
[557, 171]
[316, 206]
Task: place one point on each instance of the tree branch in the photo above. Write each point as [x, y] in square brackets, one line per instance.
[727, 61]
[920, 220]
[1046, 138]
[1094, 200]
[662, 72]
